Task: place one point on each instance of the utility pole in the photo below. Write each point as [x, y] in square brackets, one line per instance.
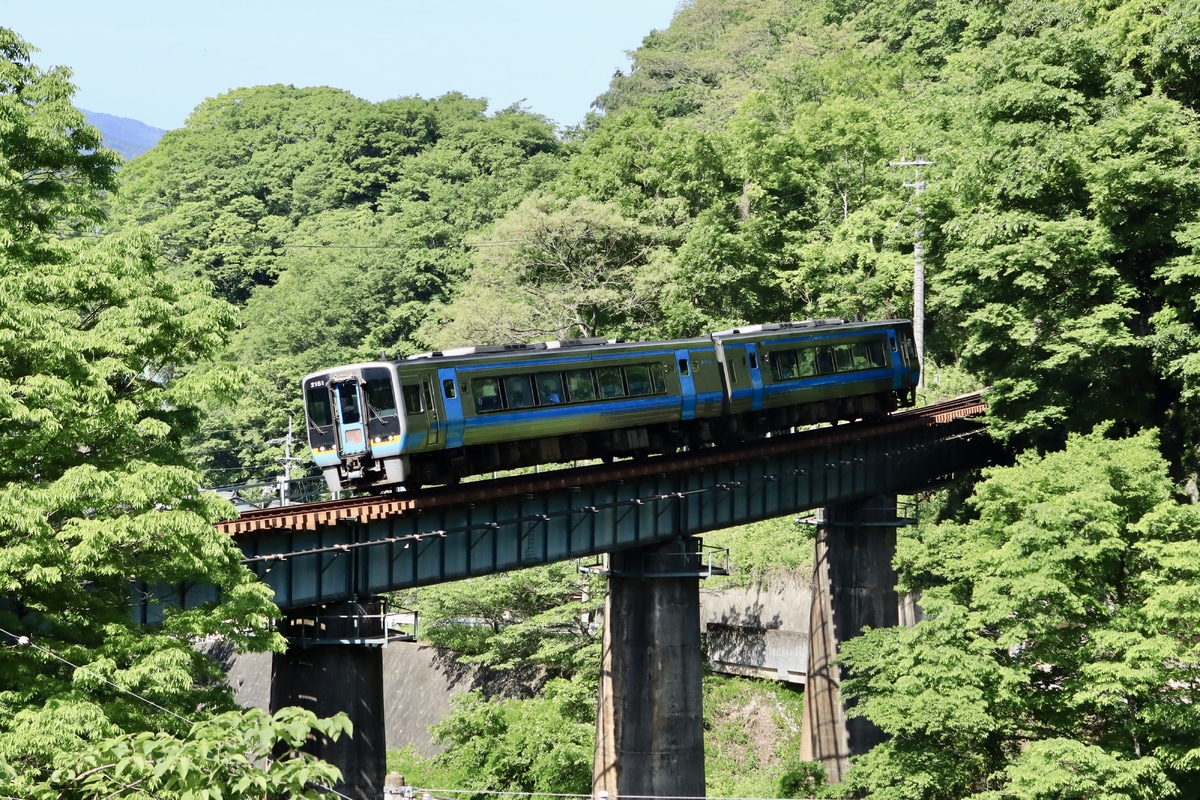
[918, 186]
[285, 479]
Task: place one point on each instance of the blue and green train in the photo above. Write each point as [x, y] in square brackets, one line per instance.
[437, 417]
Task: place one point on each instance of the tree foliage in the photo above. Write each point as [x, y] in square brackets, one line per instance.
[1059, 645]
[95, 494]
[235, 754]
[544, 616]
[544, 744]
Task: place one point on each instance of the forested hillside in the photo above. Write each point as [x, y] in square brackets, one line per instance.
[741, 171]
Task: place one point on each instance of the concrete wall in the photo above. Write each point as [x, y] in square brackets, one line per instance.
[419, 685]
[759, 631]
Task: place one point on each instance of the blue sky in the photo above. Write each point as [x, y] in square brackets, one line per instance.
[156, 60]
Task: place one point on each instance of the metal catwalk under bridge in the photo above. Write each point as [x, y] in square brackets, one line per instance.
[343, 550]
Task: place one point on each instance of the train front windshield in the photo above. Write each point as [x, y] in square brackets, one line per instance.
[319, 411]
[348, 406]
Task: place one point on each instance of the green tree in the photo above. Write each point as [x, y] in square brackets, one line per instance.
[221, 192]
[235, 754]
[553, 269]
[1061, 249]
[544, 616]
[541, 745]
[94, 491]
[1059, 654]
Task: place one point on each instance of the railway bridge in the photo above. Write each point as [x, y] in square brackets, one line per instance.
[328, 564]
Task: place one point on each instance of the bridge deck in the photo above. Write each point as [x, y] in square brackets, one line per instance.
[337, 551]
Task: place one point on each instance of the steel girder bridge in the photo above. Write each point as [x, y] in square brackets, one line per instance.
[338, 551]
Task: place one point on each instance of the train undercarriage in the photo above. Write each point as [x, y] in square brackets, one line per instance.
[450, 466]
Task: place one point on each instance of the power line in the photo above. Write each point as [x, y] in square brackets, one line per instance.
[25, 641]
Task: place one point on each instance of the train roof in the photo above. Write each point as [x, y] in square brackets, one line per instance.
[808, 326]
[551, 348]
[483, 354]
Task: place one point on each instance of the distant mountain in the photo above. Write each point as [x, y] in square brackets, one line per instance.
[128, 137]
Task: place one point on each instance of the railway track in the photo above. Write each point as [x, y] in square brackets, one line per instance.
[311, 516]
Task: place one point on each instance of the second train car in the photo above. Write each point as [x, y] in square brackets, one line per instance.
[438, 417]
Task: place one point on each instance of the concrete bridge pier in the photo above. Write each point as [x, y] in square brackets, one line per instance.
[334, 662]
[650, 721]
[854, 586]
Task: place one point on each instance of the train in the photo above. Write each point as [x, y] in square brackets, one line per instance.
[438, 417]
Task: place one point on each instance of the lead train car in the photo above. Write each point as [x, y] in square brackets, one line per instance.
[437, 417]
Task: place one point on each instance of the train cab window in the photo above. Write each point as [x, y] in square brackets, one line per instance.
[580, 388]
[638, 378]
[609, 380]
[381, 400]
[487, 394]
[753, 360]
[518, 390]
[448, 388]
[412, 399]
[348, 404]
[549, 388]
[316, 400]
[684, 369]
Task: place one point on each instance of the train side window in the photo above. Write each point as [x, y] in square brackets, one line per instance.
[784, 365]
[656, 377]
[448, 388]
[876, 354]
[683, 367]
[611, 385]
[412, 398]
[380, 398]
[824, 358]
[806, 363]
[549, 388]
[861, 359]
[518, 390]
[843, 358]
[487, 394]
[580, 388]
[320, 413]
[753, 361]
[638, 378]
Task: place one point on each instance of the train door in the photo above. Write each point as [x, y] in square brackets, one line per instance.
[452, 422]
[423, 429]
[899, 357]
[436, 426]
[756, 382]
[687, 384]
[352, 433]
